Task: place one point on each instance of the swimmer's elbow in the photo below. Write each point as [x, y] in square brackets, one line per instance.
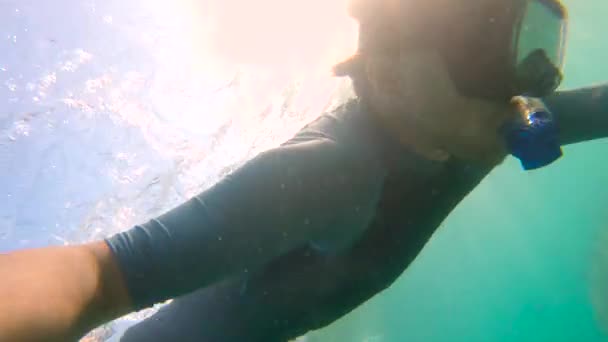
[112, 299]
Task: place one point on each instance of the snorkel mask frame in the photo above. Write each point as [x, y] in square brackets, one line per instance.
[539, 70]
[510, 56]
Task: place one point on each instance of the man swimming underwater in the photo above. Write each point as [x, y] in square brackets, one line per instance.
[304, 233]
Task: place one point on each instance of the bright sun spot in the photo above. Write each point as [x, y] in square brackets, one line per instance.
[281, 34]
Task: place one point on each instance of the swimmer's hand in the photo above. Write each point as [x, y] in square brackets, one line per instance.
[59, 293]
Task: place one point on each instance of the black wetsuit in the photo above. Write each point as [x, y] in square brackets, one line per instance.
[312, 286]
[340, 169]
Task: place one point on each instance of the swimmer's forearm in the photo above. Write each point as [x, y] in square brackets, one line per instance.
[58, 293]
[582, 114]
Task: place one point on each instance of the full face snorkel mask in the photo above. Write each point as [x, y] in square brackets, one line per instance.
[519, 60]
[498, 50]
[540, 48]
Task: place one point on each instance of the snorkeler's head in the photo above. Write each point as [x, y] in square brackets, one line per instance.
[494, 49]
[442, 72]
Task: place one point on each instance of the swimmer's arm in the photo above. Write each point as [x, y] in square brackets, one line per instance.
[279, 201]
[59, 293]
[582, 114]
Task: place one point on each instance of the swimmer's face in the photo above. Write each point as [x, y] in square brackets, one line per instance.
[412, 93]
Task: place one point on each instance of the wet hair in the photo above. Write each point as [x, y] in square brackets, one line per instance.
[373, 36]
[354, 68]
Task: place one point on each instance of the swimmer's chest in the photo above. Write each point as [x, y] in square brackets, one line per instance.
[362, 207]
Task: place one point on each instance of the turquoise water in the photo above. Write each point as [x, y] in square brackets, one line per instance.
[514, 261]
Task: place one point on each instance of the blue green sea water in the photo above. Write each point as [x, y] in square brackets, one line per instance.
[523, 258]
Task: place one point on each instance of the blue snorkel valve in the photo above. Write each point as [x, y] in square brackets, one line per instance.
[533, 136]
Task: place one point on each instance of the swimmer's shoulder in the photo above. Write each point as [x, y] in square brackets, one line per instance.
[348, 127]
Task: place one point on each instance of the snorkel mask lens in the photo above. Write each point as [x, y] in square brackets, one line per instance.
[539, 45]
